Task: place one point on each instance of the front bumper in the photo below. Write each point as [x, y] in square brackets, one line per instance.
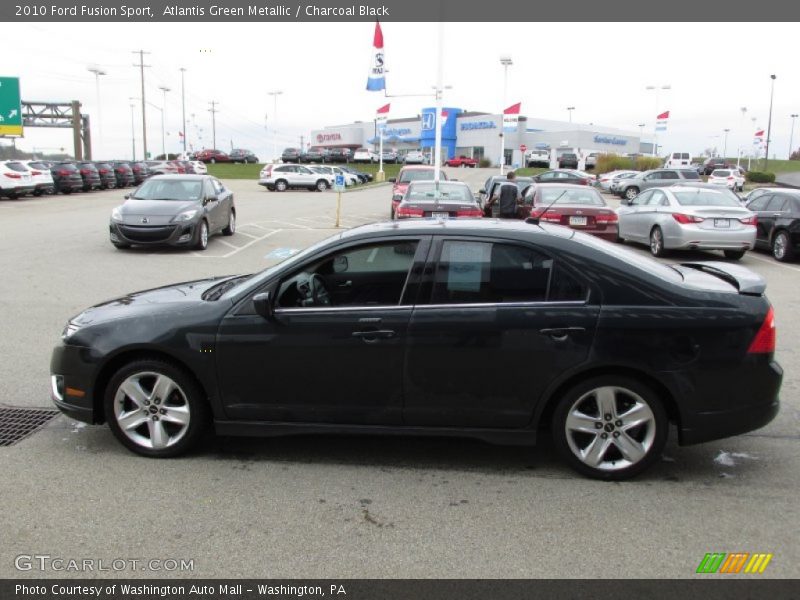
[71, 365]
[173, 234]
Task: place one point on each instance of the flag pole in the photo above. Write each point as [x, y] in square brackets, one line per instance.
[437, 147]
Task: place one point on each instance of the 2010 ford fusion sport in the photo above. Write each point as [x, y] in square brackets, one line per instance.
[483, 329]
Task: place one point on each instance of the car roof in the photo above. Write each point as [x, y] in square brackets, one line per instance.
[182, 177]
[418, 168]
[448, 182]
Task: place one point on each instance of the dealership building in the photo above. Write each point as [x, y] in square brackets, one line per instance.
[477, 135]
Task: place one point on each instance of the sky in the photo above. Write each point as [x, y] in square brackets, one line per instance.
[602, 69]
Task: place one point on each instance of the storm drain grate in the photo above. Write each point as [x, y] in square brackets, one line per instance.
[18, 423]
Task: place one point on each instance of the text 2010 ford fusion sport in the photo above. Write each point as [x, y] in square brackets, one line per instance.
[468, 328]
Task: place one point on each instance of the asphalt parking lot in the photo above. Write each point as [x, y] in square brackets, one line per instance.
[344, 507]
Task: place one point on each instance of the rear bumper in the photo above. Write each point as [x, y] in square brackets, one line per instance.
[691, 237]
[707, 426]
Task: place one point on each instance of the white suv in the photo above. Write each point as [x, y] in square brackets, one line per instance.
[15, 179]
[730, 178]
[284, 176]
[41, 176]
[365, 155]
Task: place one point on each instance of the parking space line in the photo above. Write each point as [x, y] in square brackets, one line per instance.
[240, 232]
[772, 262]
[228, 244]
[236, 248]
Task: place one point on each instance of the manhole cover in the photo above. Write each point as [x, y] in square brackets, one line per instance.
[18, 423]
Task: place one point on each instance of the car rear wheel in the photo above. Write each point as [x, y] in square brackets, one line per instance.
[782, 247]
[631, 192]
[322, 185]
[734, 254]
[155, 409]
[657, 242]
[610, 427]
[231, 228]
[201, 239]
[281, 185]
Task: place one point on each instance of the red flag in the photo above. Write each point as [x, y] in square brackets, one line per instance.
[513, 109]
[383, 109]
[663, 115]
[760, 133]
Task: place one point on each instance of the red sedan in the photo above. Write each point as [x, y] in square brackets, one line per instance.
[577, 206]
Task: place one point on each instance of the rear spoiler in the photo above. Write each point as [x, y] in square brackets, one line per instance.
[742, 278]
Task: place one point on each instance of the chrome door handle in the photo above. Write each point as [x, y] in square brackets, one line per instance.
[374, 335]
[561, 333]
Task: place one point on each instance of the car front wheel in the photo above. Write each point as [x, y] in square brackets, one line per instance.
[201, 241]
[231, 228]
[155, 409]
[631, 192]
[610, 427]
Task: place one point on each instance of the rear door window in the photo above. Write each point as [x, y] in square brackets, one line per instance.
[776, 203]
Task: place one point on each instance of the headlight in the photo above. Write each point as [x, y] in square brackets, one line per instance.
[70, 330]
[186, 215]
[116, 214]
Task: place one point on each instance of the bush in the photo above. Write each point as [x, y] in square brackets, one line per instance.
[645, 163]
[612, 162]
[484, 163]
[760, 177]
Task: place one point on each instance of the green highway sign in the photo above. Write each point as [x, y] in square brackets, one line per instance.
[10, 107]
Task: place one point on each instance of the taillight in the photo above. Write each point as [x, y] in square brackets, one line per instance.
[583, 182]
[407, 211]
[63, 173]
[103, 171]
[686, 219]
[764, 342]
[36, 172]
[749, 220]
[13, 175]
[550, 216]
[730, 178]
[120, 170]
[472, 212]
[607, 218]
[85, 171]
[136, 169]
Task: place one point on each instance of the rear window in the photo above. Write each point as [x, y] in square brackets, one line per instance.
[17, 166]
[690, 174]
[720, 173]
[705, 197]
[568, 155]
[67, 166]
[631, 258]
[417, 175]
[39, 165]
[587, 197]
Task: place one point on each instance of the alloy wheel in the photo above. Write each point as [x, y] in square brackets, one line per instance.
[610, 428]
[656, 242]
[152, 410]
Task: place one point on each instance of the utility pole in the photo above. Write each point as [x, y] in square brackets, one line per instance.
[791, 135]
[301, 144]
[213, 110]
[164, 89]
[183, 110]
[97, 73]
[769, 121]
[141, 66]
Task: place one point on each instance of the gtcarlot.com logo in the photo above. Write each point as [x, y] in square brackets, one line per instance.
[734, 563]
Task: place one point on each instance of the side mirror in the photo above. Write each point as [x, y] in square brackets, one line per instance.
[263, 305]
[392, 180]
[481, 191]
[208, 199]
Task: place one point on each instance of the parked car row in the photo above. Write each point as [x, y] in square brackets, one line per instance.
[212, 155]
[285, 176]
[19, 178]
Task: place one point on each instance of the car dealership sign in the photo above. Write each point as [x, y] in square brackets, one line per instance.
[605, 139]
[478, 125]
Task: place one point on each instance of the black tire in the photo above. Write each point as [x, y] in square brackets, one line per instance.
[37, 193]
[734, 254]
[67, 191]
[616, 459]
[120, 246]
[322, 185]
[631, 192]
[781, 247]
[231, 228]
[201, 240]
[187, 394]
[281, 185]
[657, 242]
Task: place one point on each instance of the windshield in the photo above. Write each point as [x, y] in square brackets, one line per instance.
[587, 197]
[170, 189]
[447, 192]
[700, 197]
[417, 175]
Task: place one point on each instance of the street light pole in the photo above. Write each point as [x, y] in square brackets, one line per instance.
[791, 136]
[133, 134]
[97, 72]
[750, 155]
[769, 121]
[183, 110]
[164, 89]
[506, 61]
[274, 95]
[725, 145]
[569, 110]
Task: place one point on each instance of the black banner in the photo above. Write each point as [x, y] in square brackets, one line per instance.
[733, 588]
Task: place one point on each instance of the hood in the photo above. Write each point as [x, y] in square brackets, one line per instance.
[147, 302]
[157, 212]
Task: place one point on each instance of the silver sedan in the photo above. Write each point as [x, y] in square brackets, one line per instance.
[688, 218]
